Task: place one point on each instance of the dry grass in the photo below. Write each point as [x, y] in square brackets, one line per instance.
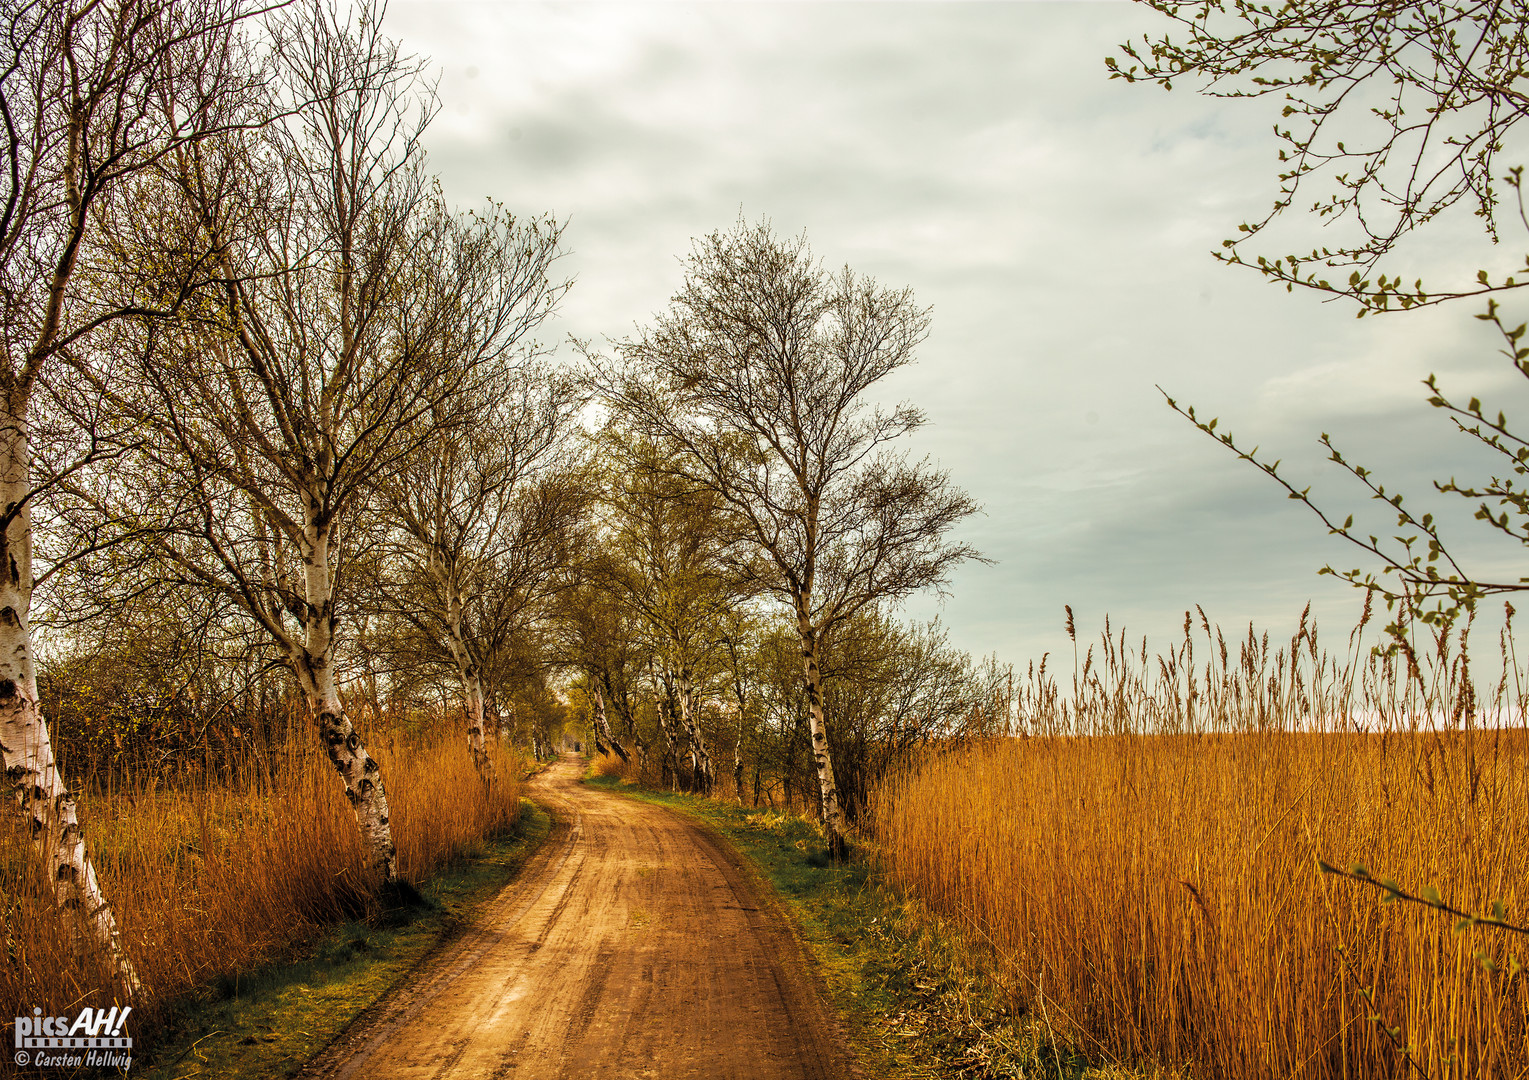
[1142, 857]
[210, 876]
[609, 764]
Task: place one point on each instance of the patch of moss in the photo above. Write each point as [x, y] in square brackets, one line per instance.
[269, 1022]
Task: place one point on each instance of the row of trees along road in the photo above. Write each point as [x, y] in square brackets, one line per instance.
[756, 386]
[247, 347]
[281, 420]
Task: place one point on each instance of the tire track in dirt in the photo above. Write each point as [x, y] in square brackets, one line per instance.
[633, 946]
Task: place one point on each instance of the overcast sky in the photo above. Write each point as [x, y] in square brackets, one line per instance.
[1060, 225]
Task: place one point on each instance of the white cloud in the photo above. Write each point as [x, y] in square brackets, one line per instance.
[1060, 223]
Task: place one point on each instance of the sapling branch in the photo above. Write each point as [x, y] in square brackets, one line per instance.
[1434, 574]
[1449, 77]
[1428, 897]
[1393, 1034]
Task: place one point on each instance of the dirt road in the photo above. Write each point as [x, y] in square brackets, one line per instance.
[631, 945]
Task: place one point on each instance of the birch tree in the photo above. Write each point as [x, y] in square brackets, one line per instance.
[664, 544]
[92, 95]
[740, 641]
[758, 377]
[892, 688]
[597, 637]
[485, 525]
[272, 407]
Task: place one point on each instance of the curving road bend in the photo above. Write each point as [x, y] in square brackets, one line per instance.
[632, 945]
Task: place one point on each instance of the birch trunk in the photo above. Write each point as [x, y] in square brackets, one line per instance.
[741, 697]
[738, 754]
[702, 773]
[27, 751]
[596, 708]
[828, 790]
[472, 691]
[312, 661]
[670, 766]
[603, 727]
[472, 702]
[624, 706]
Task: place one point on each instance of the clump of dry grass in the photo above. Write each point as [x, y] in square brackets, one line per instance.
[209, 876]
[609, 764]
[1142, 857]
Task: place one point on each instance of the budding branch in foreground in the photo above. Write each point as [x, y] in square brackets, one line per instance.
[1429, 897]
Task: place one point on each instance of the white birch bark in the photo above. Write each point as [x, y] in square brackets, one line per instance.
[741, 697]
[602, 723]
[472, 688]
[30, 768]
[700, 758]
[833, 820]
[312, 660]
[738, 751]
[670, 763]
[623, 706]
[472, 701]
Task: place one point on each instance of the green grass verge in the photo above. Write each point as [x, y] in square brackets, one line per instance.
[918, 999]
[268, 1022]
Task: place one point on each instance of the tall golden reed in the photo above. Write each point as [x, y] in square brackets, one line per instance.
[210, 874]
[1141, 853]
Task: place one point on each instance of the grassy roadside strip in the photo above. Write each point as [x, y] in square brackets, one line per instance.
[917, 997]
[271, 1021]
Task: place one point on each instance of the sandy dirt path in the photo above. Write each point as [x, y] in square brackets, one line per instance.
[631, 945]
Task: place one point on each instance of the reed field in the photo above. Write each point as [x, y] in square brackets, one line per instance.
[212, 869]
[1140, 850]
